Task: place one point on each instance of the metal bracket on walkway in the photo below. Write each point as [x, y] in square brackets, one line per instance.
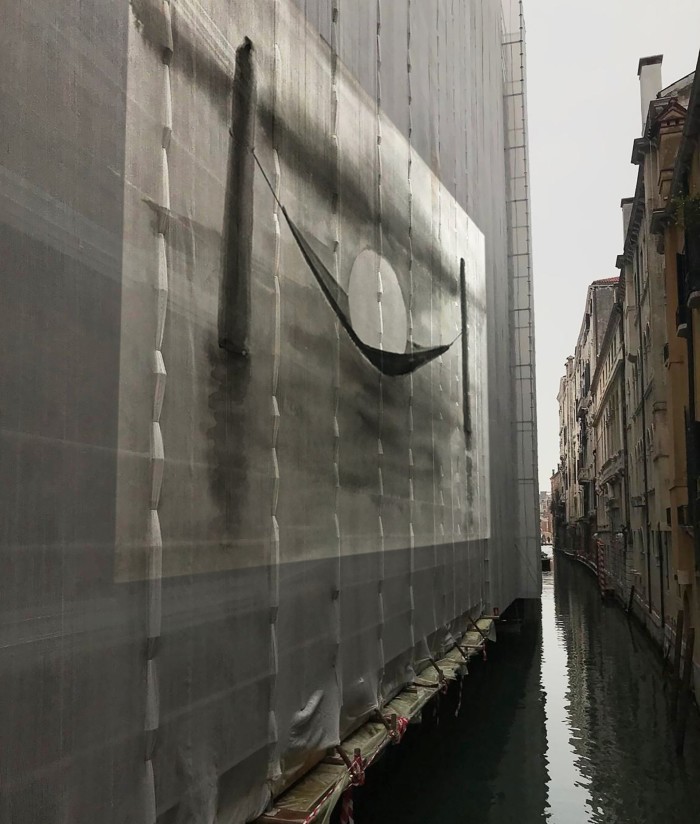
[356, 765]
[463, 651]
[395, 726]
[477, 628]
[442, 681]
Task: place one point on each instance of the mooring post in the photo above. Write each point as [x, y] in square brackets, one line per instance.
[684, 704]
[676, 673]
[631, 600]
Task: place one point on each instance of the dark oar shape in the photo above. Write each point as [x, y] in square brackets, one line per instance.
[234, 307]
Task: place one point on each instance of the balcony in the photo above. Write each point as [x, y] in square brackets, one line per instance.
[682, 321]
[580, 465]
[613, 468]
[585, 476]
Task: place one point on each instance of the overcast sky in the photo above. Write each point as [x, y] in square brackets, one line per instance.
[584, 112]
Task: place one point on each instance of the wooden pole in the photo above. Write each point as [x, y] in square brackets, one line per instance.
[631, 600]
[676, 672]
[684, 704]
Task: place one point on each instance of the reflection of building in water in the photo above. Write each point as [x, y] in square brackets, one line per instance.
[521, 782]
[575, 638]
[620, 728]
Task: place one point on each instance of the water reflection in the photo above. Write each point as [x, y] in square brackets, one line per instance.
[617, 711]
[565, 723]
[569, 799]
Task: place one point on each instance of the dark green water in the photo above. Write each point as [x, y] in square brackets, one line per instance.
[567, 723]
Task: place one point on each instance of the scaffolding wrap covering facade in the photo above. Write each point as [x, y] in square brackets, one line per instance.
[268, 416]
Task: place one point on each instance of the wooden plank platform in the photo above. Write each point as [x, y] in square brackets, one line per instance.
[317, 792]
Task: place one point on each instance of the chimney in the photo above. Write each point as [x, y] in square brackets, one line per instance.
[649, 73]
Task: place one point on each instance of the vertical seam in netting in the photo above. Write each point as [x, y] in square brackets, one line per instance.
[380, 243]
[454, 376]
[157, 454]
[476, 466]
[441, 365]
[431, 72]
[277, 349]
[336, 382]
[411, 471]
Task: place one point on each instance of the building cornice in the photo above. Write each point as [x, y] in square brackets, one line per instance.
[640, 147]
[689, 140]
[635, 220]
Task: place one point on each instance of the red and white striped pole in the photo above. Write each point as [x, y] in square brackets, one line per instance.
[346, 808]
[601, 567]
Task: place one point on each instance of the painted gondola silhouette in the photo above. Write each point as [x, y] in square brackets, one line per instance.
[388, 363]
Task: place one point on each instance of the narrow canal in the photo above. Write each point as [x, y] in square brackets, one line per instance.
[566, 723]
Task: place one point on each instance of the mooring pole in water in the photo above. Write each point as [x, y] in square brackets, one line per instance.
[600, 567]
[676, 672]
[631, 600]
[684, 704]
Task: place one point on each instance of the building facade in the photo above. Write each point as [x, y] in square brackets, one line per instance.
[677, 227]
[558, 509]
[577, 467]
[546, 517]
[565, 494]
[599, 302]
[642, 269]
[608, 425]
[625, 493]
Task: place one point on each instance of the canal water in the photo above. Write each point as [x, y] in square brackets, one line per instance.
[566, 723]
